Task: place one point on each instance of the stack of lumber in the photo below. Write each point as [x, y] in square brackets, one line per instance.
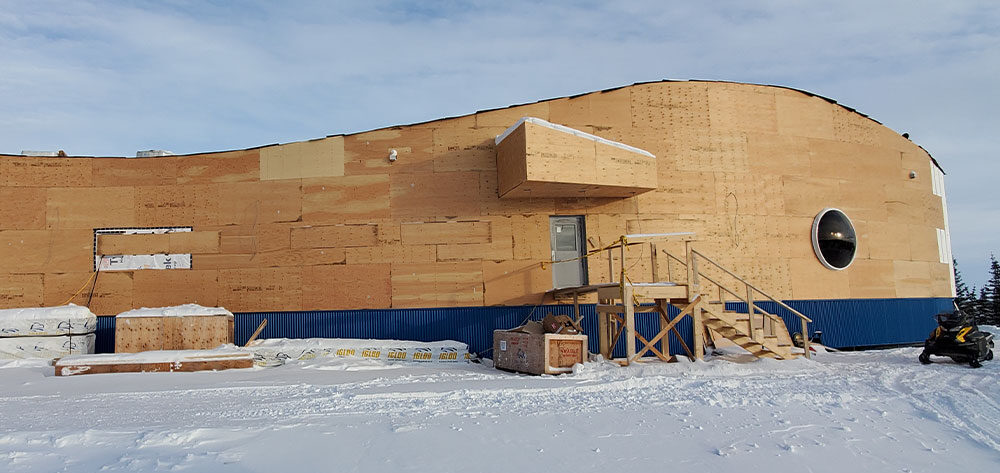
[275, 351]
[155, 361]
[46, 332]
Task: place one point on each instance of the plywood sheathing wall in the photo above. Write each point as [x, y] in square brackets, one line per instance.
[332, 224]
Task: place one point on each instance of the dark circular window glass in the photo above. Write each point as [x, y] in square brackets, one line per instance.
[833, 239]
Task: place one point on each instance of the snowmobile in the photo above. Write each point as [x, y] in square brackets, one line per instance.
[958, 338]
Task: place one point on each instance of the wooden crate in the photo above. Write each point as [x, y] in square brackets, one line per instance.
[530, 353]
[192, 332]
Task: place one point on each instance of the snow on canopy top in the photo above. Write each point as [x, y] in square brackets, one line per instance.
[176, 311]
[572, 131]
[64, 312]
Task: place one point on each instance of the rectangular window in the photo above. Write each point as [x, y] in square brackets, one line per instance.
[153, 258]
[942, 240]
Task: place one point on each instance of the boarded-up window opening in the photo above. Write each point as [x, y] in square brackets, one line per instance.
[137, 262]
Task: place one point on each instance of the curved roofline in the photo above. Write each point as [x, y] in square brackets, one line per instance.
[805, 92]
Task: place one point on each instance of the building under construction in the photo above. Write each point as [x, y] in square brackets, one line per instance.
[449, 228]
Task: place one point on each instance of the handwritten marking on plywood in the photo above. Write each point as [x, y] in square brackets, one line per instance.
[276, 288]
[362, 286]
[16, 171]
[334, 236]
[109, 294]
[434, 194]
[318, 158]
[20, 290]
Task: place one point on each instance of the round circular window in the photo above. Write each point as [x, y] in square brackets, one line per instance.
[833, 239]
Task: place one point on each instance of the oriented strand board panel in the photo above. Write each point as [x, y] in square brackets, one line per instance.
[445, 232]
[335, 236]
[559, 163]
[168, 287]
[370, 151]
[140, 244]
[872, 279]
[391, 253]
[22, 208]
[361, 286]
[112, 172]
[109, 293]
[434, 194]
[810, 280]
[28, 251]
[802, 115]
[90, 207]
[138, 334]
[20, 290]
[470, 149]
[197, 242]
[215, 168]
[913, 279]
[254, 203]
[348, 198]
[318, 158]
[515, 282]
[170, 206]
[437, 284]
[33, 171]
[741, 107]
[247, 290]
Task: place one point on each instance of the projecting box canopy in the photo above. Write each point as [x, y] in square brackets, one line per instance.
[536, 158]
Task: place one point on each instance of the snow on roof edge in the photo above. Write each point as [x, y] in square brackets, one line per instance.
[572, 131]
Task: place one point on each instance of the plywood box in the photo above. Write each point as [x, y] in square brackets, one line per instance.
[190, 332]
[531, 353]
[540, 159]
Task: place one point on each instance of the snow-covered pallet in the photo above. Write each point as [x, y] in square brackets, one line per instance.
[276, 351]
[155, 361]
[46, 347]
[47, 321]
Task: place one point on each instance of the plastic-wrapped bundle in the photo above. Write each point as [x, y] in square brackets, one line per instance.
[47, 347]
[47, 321]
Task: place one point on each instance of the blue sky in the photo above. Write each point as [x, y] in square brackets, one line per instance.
[113, 77]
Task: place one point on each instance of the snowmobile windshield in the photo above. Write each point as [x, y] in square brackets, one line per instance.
[953, 320]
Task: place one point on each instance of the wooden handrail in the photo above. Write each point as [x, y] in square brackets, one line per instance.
[751, 286]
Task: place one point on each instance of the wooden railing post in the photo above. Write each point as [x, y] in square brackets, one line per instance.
[629, 322]
[652, 261]
[805, 337]
[698, 330]
[750, 314]
[611, 266]
[693, 287]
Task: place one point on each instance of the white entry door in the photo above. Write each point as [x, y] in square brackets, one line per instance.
[567, 241]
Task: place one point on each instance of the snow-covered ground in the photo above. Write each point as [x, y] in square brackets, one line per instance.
[863, 411]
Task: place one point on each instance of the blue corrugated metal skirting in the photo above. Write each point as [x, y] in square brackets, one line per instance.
[844, 323]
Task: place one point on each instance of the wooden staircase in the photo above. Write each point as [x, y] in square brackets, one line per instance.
[736, 327]
[762, 334]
